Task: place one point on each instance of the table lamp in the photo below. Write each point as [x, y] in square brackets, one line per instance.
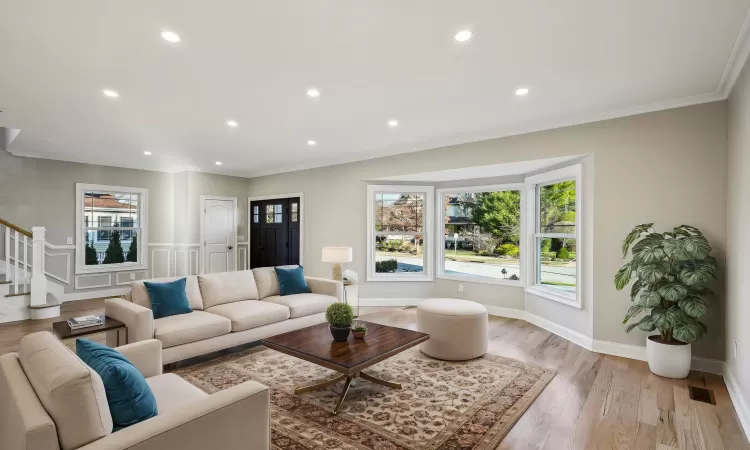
[337, 255]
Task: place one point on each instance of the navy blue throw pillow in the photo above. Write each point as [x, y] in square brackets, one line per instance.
[129, 396]
[292, 280]
[168, 299]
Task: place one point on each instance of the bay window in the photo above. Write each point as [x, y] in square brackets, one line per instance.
[399, 221]
[556, 234]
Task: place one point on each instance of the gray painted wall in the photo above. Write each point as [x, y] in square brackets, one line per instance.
[738, 240]
[668, 167]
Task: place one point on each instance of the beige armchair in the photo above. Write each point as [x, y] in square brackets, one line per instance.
[50, 400]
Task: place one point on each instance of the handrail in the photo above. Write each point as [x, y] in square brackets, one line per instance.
[16, 228]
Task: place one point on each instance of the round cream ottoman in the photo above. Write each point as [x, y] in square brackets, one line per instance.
[457, 328]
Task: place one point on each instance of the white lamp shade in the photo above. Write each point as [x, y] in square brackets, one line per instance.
[337, 254]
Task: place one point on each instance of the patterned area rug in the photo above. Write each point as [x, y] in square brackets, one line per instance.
[443, 405]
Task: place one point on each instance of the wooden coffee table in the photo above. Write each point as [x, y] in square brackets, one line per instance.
[349, 358]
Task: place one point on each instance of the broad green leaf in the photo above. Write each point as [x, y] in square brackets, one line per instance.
[697, 271]
[622, 277]
[646, 324]
[632, 312]
[673, 248]
[693, 306]
[653, 272]
[633, 235]
[630, 327]
[673, 291]
[678, 231]
[635, 288]
[695, 247]
[650, 299]
[689, 230]
[649, 249]
[687, 332]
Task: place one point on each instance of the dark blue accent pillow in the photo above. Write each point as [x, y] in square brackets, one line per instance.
[292, 280]
[168, 299]
[129, 396]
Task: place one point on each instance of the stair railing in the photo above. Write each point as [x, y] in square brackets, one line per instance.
[17, 265]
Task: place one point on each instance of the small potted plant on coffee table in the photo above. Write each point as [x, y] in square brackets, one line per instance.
[340, 317]
[359, 330]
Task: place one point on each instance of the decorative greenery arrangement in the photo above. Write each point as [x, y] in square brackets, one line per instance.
[359, 327]
[389, 265]
[340, 315]
[671, 271]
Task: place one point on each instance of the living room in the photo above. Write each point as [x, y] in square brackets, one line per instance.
[451, 184]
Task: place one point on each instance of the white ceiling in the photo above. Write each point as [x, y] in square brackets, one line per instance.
[253, 61]
[488, 171]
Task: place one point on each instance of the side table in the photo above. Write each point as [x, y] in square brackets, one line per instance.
[63, 331]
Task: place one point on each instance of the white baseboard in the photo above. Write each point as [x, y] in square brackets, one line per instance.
[740, 404]
[564, 332]
[503, 311]
[86, 295]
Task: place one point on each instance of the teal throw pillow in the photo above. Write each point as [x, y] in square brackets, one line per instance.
[168, 299]
[129, 396]
[292, 280]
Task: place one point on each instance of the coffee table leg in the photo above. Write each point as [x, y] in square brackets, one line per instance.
[314, 387]
[377, 380]
[343, 394]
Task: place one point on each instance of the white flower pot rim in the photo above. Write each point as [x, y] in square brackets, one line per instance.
[656, 338]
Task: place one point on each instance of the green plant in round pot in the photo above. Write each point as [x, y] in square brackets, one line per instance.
[340, 317]
[670, 270]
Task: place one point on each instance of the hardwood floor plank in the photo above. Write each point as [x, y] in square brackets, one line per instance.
[595, 401]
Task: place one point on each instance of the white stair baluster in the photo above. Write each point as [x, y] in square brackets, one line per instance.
[25, 263]
[7, 253]
[17, 257]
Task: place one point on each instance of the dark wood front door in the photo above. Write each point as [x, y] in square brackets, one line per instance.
[275, 232]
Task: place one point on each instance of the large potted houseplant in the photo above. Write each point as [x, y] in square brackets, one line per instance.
[340, 317]
[670, 270]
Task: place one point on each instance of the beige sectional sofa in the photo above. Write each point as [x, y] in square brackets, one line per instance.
[51, 400]
[229, 309]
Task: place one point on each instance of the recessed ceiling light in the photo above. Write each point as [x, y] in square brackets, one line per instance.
[463, 35]
[232, 123]
[110, 93]
[311, 143]
[312, 92]
[171, 36]
[393, 123]
[147, 153]
[520, 92]
[218, 163]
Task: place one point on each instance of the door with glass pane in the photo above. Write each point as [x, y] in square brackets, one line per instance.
[274, 232]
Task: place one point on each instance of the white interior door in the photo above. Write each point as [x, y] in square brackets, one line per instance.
[219, 236]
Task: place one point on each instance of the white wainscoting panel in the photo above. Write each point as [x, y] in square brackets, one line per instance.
[96, 280]
[63, 274]
[123, 278]
[173, 260]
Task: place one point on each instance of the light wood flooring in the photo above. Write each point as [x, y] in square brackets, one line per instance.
[594, 402]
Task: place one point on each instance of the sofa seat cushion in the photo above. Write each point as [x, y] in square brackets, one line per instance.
[301, 305]
[251, 314]
[190, 327]
[72, 393]
[173, 393]
[227, 287]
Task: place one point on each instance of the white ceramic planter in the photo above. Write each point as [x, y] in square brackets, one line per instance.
[668, 360]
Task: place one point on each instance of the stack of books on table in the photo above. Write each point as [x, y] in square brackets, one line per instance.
[77, 323]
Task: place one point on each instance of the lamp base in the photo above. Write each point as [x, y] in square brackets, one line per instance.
[338, 272]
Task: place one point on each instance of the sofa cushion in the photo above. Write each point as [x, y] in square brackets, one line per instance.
[172, 392]
[139, 293]
[267, 281]
[129, 397]
[302, 304]
[71, 392]
[168, 299]
[191, 327]
[251, 314]
[227, 287]
[292, 280]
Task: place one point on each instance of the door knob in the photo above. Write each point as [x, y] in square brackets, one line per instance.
[230, 247]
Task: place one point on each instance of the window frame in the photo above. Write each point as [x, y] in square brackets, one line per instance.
[533, 185]
[80, 255]
[428, 227]
[440, 234]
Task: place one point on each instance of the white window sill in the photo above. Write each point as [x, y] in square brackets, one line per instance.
[554, 295]
[400, 278]
[495, 281]
[111, 268]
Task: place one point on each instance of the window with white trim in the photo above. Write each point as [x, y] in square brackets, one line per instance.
[400, 224]
[111, 228]
[556, 235]
[479, 234]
